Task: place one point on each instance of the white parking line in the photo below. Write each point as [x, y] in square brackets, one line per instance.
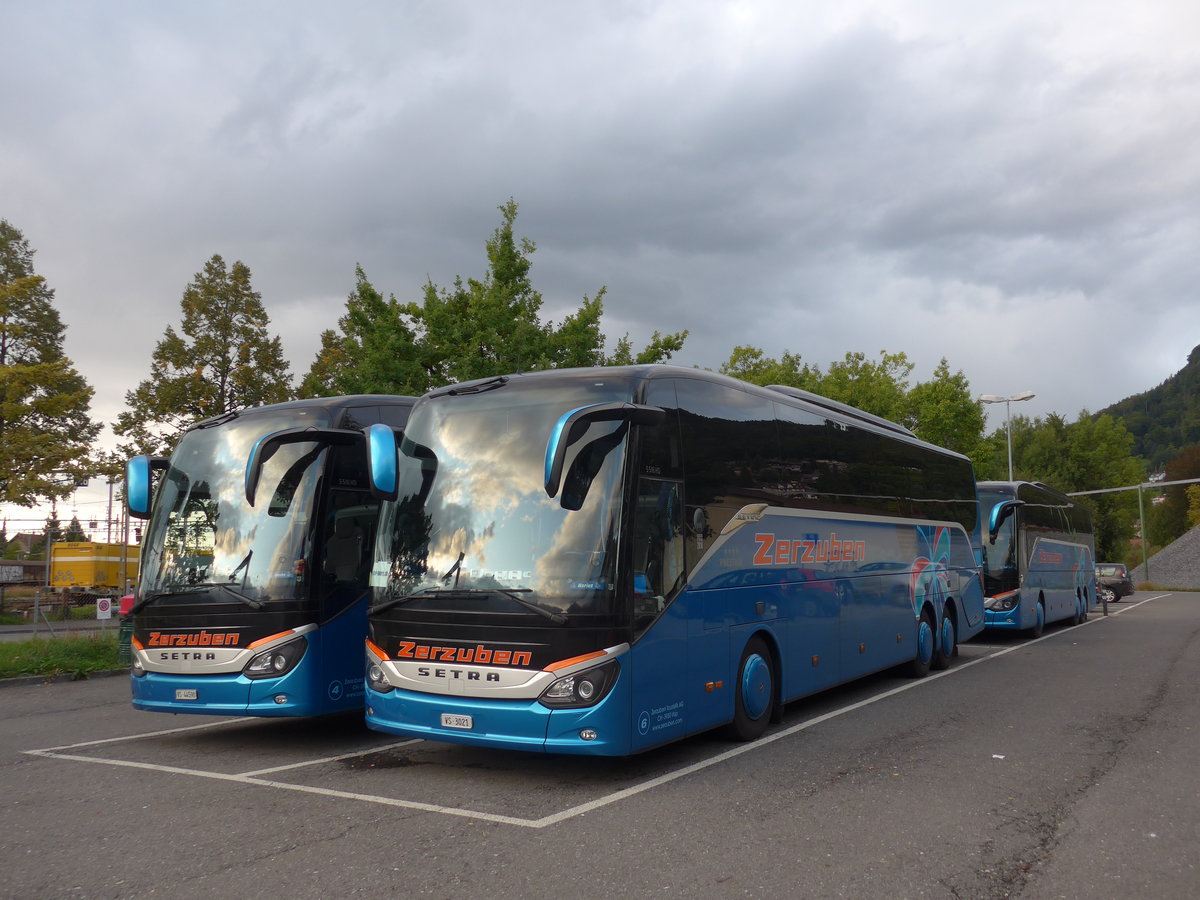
[251, 778]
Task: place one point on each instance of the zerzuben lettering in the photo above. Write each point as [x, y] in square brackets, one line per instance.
[478, 654]
[197, 639]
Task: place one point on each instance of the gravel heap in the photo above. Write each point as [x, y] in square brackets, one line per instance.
[1175, 566]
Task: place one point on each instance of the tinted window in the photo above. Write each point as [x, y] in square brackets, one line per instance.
[730, 447]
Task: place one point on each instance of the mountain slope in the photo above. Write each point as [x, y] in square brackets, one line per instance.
[1165, 419]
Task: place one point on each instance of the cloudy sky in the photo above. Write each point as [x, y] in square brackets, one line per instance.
[1013, 186]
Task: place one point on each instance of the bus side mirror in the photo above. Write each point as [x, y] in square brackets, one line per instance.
[382, 471]
[139, 479]
[1000, 512]
[573, 425]
[268, 444]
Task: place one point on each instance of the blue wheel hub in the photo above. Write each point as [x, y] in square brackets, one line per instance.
[925, 641]
[947, 636]
[756, 686]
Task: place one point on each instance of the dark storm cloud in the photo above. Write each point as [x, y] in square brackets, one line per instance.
[1000, 188]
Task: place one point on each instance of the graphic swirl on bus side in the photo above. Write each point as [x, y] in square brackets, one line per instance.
[930, 578]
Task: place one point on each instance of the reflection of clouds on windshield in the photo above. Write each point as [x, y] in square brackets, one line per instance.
[487, 476]
[577, 548]
[489, 501]
[222, 529]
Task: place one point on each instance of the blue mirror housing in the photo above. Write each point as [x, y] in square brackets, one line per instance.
[382, 469]
[139, 484]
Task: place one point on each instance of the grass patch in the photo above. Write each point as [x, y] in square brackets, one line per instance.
[73, 656]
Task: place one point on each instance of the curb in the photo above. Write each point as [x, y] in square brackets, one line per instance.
[61, 677]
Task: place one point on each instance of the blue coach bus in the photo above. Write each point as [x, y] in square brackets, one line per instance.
[600, 561]
[1038, 556]
[251, 598]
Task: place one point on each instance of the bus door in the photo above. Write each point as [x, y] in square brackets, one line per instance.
[662, 616]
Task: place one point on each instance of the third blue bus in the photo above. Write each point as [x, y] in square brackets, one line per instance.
[1038, 556]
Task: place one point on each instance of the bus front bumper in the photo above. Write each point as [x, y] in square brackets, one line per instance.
[224, 695]
[600, 730]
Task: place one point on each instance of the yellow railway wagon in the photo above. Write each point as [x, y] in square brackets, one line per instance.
[88, 565]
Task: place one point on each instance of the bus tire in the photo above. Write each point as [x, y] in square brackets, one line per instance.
[947, 641]
[926, 645]
[1039, 621]
[754, 692]
[1080, 611]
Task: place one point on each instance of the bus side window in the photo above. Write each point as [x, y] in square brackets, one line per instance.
[657, 545]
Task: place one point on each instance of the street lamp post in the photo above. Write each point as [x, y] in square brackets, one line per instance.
[1007, 401]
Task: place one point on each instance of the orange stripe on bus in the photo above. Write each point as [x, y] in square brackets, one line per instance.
[372, 647]
[271, 637]
[563, 663]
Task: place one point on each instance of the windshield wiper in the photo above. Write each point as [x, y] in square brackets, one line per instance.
[195, 589]
[479, 387]
[511, 593]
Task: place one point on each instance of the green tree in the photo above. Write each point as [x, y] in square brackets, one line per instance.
[491, 326]
[1170, 516]
[46, 431]
[475, 329]
[52, 533]
[944, 412]
[375, 351]
[940, 411]
[1193, 502]
[74, 531]
[752, 365]
[879, 387]
[1085, 455]
[222, 359]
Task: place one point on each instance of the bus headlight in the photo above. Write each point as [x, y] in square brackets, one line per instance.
[276, 661]
[136, 669]
[376, 680]
[586, 688]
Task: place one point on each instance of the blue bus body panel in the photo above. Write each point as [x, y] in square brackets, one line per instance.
[506, 724]
[1062, 574]
[328, 679]
[228, 695]
[820, 591]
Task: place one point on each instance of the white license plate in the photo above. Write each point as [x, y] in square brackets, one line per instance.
[186, 694]
[449, 720]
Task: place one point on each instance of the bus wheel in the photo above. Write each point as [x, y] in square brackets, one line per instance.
[1039, 622]
[947, 642]
[754, 699]
[926, 645]
[1080, 611]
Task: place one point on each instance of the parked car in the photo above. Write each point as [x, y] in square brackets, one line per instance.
[1114, 578]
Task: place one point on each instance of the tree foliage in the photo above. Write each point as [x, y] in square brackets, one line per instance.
[46, 431]
[221, 359]
[1088, 454]
[477, 328]
[74, 530]
[940, 411]
[1169, 518]
[374, 352]
[1165, 420]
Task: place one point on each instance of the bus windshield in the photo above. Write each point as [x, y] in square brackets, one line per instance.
[473, 528]
[1000, 568]
[204, 540]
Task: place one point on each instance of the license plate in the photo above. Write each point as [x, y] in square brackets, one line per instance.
[449, 720]
[186, 694]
